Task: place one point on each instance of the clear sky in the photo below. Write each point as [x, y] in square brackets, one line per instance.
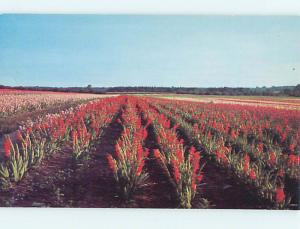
[119, 50]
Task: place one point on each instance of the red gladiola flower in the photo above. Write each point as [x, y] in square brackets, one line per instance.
[272, 158]
[75, 137]
[177, 174]
[157, 154]
[140, 168]
[118, 151]
[292, 147]
[252, 175]
[200, 177]
[7, 145]
[293, 160]
[246, 162]
[180, 155]
[19, 135]
[145, 134]
[280, 196]
[140, 152]
[194, 186]
[111, 163]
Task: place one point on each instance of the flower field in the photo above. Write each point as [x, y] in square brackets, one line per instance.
[147, 152]
[14, 101]
[261, 101]
[20, 106]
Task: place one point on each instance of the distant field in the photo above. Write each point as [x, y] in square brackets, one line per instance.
[18, 106]
[268, 101]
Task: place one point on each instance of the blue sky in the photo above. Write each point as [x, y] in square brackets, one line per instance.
[120, 50]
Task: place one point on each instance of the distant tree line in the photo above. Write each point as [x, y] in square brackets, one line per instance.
[257, 91]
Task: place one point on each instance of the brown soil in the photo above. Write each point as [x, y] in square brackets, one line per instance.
[93, 183]
[224, 192]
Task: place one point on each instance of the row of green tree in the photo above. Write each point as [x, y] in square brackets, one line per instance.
[257, 91]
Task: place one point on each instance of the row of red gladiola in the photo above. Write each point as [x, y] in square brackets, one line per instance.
[76, 127]
[127, 164]
[272, 157]
[250, 172]
[276, 127]
[181, 165]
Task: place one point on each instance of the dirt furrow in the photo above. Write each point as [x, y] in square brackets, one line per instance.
[93, 182]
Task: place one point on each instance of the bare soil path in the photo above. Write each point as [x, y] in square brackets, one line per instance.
[158, 193]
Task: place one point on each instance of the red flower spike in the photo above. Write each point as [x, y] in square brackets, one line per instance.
[292, 147]
[111, 163]
[252, 175]
[74, 137]
[196, 161]
[180, 156]
[272, 158]
[140, 168]
[145, 134]
[157, 154]
[19, 136]
[7, 145]
[177, 174]
[247, 158]
[194, 186]
[280, 196]
[118, 151]
[200, 177]
[140, 153]
[148, 123]
[193, 149]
